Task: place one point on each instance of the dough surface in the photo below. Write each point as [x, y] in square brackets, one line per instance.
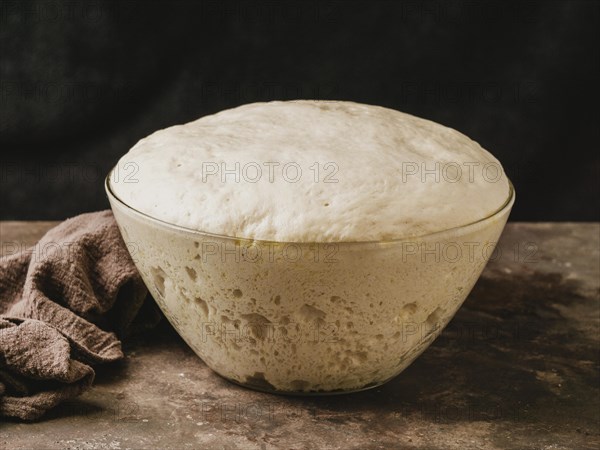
[311, 171]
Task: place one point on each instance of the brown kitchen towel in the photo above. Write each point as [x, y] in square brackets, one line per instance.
[65, 303]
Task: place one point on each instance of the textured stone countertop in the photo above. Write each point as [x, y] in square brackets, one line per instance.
[516, 368]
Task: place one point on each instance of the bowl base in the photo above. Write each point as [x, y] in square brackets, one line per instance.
[271, 390]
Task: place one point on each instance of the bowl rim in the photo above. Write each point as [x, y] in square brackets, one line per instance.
[506, 206]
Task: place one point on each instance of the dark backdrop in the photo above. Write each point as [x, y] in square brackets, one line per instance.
[82, 82]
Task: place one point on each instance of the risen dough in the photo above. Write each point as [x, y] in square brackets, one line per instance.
[311, 171]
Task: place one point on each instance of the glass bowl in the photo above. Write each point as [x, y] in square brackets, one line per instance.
[307, 318]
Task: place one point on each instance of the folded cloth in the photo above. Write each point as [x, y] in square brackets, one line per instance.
[65, 303]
